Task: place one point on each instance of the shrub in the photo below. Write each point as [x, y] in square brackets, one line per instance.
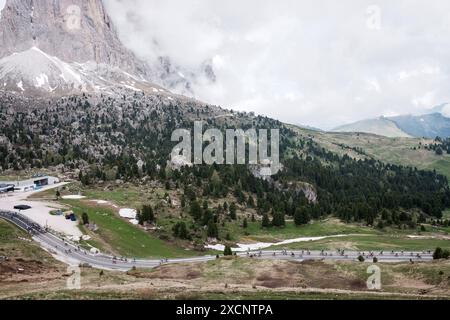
[301, 217]
[213, 230]
[437, 254]
[228, 251]
[85, 218]
[265, 221]
[278, 220]
[180, 231]
[445, 254]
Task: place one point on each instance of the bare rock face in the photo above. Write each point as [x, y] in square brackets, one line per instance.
[308, 190]
[75, 31]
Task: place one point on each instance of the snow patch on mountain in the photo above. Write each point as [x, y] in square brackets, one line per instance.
[34, 71]
[20, 86]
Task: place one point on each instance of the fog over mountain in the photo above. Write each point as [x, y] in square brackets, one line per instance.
[320, 65]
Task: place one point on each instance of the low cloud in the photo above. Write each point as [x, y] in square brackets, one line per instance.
[319, 63]
[322, 63]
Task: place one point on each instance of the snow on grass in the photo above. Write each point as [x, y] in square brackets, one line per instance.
[104, 202]
[128, 213]
[265, 245]
[73, 197]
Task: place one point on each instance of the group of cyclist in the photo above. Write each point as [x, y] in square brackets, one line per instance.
[340, 252]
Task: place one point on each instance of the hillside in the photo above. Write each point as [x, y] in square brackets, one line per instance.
[24, 268]
[254, 279]
[398, 150]
[23, 262]
[428, 126]
[381, 126]
[105, 141]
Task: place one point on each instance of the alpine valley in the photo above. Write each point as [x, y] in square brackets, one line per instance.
[78, 106]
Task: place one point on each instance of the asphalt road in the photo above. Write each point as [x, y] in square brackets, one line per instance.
[75, 255]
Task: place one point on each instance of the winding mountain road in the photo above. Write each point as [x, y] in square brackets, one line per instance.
[73, 254]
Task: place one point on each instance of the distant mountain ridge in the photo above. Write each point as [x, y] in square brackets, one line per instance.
[431, 125]
[381, 126]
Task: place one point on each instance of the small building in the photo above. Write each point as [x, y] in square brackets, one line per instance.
[34, 183]
[24, 188]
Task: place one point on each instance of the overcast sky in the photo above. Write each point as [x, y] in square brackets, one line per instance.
[321, 63]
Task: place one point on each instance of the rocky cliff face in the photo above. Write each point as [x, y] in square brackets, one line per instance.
[307, 189]
[72, 30]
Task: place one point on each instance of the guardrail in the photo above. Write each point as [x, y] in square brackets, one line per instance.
[21, 221]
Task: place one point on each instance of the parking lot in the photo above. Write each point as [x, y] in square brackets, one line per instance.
[40, 211]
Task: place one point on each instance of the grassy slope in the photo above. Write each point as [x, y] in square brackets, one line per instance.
[28, 266]
[359, 236]
[391, 150]
[328, 227]
[116, 235]
[371, 242]
[119, 237]
[206, 280]
[13, 244]
[263, 279]
[123, 237]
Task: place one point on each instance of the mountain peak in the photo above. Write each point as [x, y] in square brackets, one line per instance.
[75, 31]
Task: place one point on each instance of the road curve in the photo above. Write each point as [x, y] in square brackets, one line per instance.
[75, 255]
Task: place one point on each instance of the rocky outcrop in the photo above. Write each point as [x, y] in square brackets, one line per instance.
[308, 190]
[300, 187]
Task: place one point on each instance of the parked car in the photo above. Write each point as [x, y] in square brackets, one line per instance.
[70, 216]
